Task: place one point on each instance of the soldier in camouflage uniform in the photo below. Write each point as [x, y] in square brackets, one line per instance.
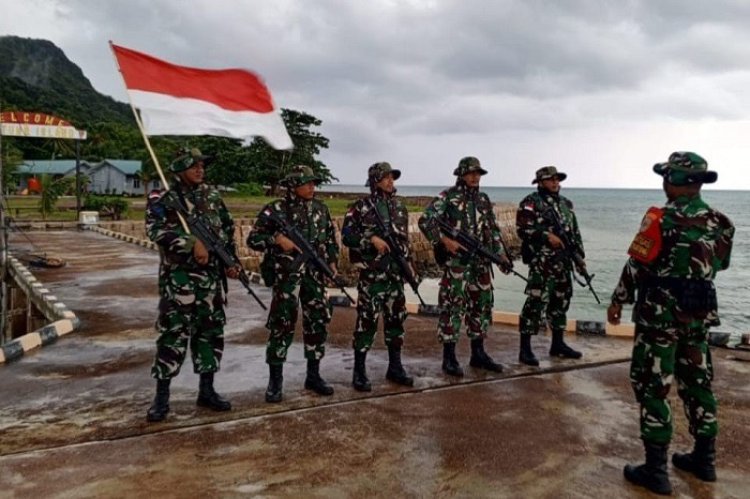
[466, 292]
[381, 286]
[669, 275]
[293, 284]
[550, 285]
[192, 283]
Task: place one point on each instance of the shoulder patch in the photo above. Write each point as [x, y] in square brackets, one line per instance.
[647, 243]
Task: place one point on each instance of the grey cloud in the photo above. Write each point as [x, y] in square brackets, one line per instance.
[392, 76]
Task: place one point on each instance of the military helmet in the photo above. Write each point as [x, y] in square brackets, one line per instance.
[469, 164]
[684, 168]
[187, 158]
[378, 171]
[300, 175]
[548, 172]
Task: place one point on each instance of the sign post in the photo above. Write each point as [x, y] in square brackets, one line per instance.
[33, 125]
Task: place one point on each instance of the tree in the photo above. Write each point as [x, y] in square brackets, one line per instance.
[12, 158]
[164, 148]
[51, 192]
[269, 165]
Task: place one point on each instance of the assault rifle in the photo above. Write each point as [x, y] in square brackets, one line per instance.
[571, 250]
[307, 252]
[210, 239]
[474, 247]
[398, 256]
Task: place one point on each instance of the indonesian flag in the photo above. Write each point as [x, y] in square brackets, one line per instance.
[178, 100]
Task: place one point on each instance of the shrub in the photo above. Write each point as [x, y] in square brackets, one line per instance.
[250, 189]
[107, 206]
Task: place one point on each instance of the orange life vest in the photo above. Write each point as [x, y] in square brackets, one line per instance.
[647, 243]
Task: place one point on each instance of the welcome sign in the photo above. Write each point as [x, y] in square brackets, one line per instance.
[37, 125]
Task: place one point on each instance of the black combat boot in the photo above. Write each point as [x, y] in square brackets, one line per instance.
[450, 363]
[396, 372]
[526, 355]
[207, 396]
[314, 382]
[653, 474]
[275, 382]
[701, 462]
[359, 378]
[560, 349]
[480, 359]
[159, 409]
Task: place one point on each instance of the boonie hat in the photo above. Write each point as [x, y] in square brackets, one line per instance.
[469, 164]
[300, 175]
[684, 168]
[548, 172]
[379, 170]
[187, 158]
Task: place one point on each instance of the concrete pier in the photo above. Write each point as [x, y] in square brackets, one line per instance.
[72, 414]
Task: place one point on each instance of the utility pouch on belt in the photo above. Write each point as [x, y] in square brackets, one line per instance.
[267, 270]
[441, 254]
[647, 243]
[526, 253]
[696, 296]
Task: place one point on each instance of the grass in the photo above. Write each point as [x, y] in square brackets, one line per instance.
[26, 208]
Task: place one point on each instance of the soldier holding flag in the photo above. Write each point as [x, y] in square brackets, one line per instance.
[191, 284]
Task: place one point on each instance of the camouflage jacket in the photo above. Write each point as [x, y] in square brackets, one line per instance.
[178, 268]
[467, 209]
[360, 224]
[696, 244]
[310, 217]
[535, 221]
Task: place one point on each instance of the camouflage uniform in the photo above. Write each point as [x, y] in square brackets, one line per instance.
[381, 286]
[313, 219]
[294, 281]
[380, 283]
[550, 284]
[675, 304]
[466, 291]
[192, 295]
[191, 305]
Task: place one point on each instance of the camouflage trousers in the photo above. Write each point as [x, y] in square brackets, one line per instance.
[465, 295]
[548, 299]
[282, 317]
[378, 291]
[201, 323]
[658, 357]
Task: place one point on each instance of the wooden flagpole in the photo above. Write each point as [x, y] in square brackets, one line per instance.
[145, 138]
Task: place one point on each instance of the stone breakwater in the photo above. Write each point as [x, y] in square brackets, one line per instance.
[421, 248]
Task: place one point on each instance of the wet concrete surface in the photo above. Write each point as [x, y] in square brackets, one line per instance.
[72, 415]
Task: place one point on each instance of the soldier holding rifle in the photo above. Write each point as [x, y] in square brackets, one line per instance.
[296, 276]
[376, 231]
[466, 293]
[192, 283]
[551, 246]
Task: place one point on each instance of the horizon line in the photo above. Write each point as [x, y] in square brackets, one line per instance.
[444, 186]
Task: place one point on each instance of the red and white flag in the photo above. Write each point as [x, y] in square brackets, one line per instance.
[178, 100]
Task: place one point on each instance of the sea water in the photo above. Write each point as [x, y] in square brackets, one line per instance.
[608, 219]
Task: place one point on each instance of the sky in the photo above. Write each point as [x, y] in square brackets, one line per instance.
[601, 89]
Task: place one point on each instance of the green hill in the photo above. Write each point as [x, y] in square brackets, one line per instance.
[35, 75]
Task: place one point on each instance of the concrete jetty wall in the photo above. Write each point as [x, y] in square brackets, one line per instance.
[421, 248]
